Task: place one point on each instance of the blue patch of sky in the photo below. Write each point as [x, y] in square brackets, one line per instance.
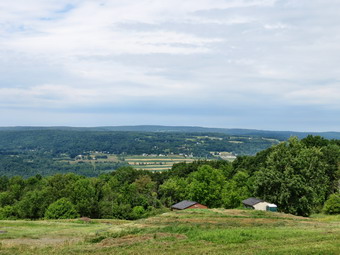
[47, 18]
[58, 13]
[207, 30]
[13, 29]
[311, 82]
[166, 106]
[275, 118]
[29, 75]
[66, 8]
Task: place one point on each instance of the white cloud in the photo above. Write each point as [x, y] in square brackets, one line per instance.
[234, 53]
[91, 29]
[320, 95]
[275, 26]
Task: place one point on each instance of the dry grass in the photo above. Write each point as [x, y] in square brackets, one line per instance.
[215, 231]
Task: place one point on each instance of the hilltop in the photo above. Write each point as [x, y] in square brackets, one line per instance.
[281, 135]
[212, 231]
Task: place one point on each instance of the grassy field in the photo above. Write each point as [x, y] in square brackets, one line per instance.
[215, 231]
[145, 162]
[156, 163]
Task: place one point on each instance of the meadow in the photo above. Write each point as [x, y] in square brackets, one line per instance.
[213, 231]
[140, 162]
[156, 163]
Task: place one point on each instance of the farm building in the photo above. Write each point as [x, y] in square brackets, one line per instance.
[187, 204]
[259, 204]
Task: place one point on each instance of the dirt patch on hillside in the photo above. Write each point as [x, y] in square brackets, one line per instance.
[231, 212]
[250, 213]
[202, 220]
[133, 239]
[45, 241]
[254, 221]
[231, 221]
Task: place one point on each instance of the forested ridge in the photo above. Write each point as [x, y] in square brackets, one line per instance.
[280, 135]
[73, 143]
[300, 176]
[47, 152]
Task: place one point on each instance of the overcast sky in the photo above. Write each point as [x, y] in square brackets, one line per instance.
[265, 64]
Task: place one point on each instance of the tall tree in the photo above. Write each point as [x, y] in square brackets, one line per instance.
[84, 198]
[205, 186]
[295, 177]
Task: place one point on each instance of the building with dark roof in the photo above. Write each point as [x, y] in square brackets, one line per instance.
[250, 202]
[187, 204]
[259, 204]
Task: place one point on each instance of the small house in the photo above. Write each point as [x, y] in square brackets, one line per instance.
[187, 204]
[259, 204]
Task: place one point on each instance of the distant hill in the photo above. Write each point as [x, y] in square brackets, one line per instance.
[280, 135]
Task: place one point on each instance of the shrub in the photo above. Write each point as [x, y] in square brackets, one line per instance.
[137, 212]
[8, 213]
[332, 205]
[61, 209]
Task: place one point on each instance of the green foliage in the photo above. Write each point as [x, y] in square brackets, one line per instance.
[137, 212]
[183, 169]
[33, 204]
[236, 190]
[61, 209]
[29, 152]
[84, 198]
[205, 186]
[315, 141]
[173, 190]
[61, 184]
[126, 174]
[3, 183]
[296, 175]
[332, 205]
[331, 157]
[8, 213]
[145, 185]
[105, 209]
[122, 211]
[6, 198]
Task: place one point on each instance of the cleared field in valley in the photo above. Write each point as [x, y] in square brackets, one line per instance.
[156, 163]
[145, 162]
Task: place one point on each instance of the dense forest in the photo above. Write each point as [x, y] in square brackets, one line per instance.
[300, 176]
[73, 143]
[46, 152]
[280, 135]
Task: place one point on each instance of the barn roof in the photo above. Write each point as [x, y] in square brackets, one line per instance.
[252, 201]
[183, 204]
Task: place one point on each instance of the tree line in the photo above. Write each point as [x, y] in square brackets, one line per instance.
[73, 143]
[300, 176]
[46, 152]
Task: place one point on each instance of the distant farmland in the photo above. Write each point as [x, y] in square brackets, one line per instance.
[142, 162]
[156, 163]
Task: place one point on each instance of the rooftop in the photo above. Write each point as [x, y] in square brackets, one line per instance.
[183, 204]
[252, 201]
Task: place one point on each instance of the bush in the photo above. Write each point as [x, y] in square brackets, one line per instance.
[137, 212]
[61, 209]
[8, 213]
[332, 205]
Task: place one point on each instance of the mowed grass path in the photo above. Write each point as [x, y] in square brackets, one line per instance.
[214, 231]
